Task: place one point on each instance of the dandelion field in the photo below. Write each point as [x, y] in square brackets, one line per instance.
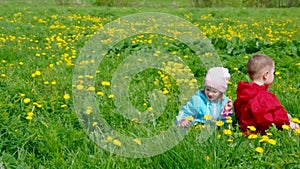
[39, 126]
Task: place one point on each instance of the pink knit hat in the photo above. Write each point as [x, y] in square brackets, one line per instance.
[218, 78]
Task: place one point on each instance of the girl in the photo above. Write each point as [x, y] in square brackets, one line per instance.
[209, 103]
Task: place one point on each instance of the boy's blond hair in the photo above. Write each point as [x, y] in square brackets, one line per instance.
[257, 64]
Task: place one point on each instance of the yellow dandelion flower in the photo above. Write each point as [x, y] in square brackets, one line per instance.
[264, 138]
[156, 81]
[206, 158]
[30, 114]
[252, 136]
[79, 87]
[53, 82]
[296, 120]
[297, 64]
[207, 117]
[229, 121]
[100, 93]
[29, 117]
[194, 80]
[105, 83]
[67, 96]
[272, 141]
[259, 149]
[37, 73]
[22, 94]
[199, 126]
[91, 88]
[251, 128]
[26, 100]
[150, 109]
[63, 106]
[277, 73]
[89, 76]
[285, 127]
[137, 141]
[165, 91]
[3, 75]
[297, 131]
[269, 134]
[21, 63]
[236, 69]
[111, 96]
[219, 123]
[94, 124]
[219, 136]
[189, 118]
[109, 138]
[230, 140]
[117, 142]
[227, 131]
[88, 110]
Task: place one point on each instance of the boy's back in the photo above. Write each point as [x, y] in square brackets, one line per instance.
[257, 107]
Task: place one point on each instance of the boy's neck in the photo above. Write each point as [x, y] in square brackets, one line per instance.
[259, 82]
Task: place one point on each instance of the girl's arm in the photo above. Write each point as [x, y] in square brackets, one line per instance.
[191, 109]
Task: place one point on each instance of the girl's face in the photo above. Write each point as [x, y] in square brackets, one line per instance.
[212, 94]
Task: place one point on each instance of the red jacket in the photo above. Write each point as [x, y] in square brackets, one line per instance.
[257, 107]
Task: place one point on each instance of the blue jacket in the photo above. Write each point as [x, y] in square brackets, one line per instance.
[199, 105]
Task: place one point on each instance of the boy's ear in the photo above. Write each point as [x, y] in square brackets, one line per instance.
[265, 74]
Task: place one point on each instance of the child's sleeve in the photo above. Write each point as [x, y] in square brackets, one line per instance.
[191, 108]
[266, 109]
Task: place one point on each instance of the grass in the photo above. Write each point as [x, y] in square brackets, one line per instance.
[40, 46]
[152, 3]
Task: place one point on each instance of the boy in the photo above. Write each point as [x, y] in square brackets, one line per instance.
[255, 105]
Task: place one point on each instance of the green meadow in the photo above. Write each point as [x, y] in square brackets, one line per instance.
[65, 103]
